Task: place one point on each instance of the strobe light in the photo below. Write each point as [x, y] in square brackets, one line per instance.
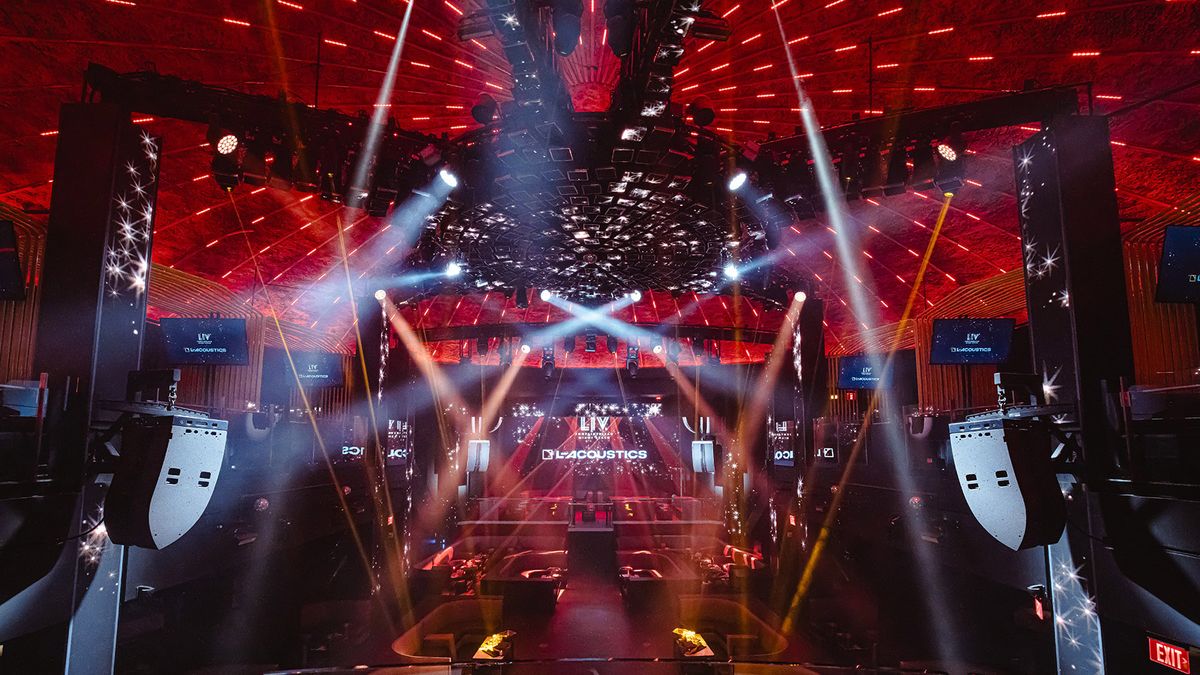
[226, 167]
[525, 348]
[227, 144]
[635, 295]
[951, 163]
[448, 178]
[545, 295]
[381, 295]
[737, 181]
[453, 269]
[731, 272]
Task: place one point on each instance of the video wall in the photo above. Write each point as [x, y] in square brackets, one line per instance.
[624, 448]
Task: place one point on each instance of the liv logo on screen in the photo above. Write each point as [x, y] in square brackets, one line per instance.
[593, 429]
[204, 345]
[550, 454]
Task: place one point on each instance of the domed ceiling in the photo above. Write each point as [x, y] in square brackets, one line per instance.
[1141, 61]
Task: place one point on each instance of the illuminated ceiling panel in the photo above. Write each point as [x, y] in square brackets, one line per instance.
[860, 58]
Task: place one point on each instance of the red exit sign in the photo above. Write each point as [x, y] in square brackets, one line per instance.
[1170, 656]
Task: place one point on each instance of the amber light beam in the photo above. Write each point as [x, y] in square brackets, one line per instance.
[827, 525]
[312, 420]
[372, 465]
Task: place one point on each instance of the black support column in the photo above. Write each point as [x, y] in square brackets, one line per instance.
[93, 312]
[1079, 328]
[1074, 279]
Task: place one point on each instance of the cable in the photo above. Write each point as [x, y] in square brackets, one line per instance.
[1101, 540]
[81, 534]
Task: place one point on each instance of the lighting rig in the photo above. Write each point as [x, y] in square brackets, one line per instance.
[585, 205]
[260, 140]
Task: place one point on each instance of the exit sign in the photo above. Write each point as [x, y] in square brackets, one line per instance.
[1170, 656]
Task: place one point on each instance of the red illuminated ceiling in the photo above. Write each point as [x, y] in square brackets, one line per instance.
[858, 57]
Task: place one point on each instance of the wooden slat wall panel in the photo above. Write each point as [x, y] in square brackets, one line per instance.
[227, 387]
[841, 406]
[18, 319]
[1166, 351]
[1165, 348]
[947, 387]
[950, 387]
[175, 293]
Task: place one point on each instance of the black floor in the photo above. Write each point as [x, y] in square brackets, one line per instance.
[591, 621]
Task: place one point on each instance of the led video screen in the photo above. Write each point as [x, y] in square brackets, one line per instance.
[1179, 269]
[206, 342]
[971, 341]
[318, 369]
[861, 372]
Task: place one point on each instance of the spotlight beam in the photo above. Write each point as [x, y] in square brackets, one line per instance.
[835, 205]
[374, 130]
[373, 467]
[581, 317]
[443, 389]
[312, 419]
[404, 224]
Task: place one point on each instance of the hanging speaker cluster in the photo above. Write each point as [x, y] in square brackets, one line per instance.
[165, 478]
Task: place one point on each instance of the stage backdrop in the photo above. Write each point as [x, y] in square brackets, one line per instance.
[623, 449]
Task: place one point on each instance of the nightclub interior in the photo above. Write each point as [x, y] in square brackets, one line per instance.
[700, 337]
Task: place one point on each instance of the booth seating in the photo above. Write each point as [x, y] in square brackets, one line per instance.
[730, 628]
[452, 571]
[451, 632]
[529, 579]
[648, 577]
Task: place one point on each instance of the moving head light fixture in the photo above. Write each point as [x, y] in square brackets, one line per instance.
[619, 21]
[566, 19]
[226, 167]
